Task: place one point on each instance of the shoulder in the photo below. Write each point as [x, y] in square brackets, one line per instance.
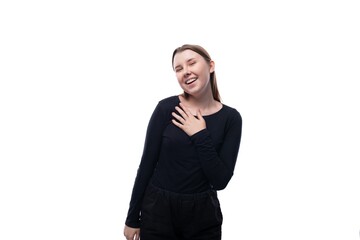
[231, 112]
[232, 119]
[169, 102]
[166, 106]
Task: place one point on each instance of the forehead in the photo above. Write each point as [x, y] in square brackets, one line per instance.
[185, 56]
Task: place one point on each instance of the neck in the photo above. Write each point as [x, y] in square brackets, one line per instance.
[203, 102]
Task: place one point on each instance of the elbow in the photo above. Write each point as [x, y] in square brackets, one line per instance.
[221, 183]
[219, 187]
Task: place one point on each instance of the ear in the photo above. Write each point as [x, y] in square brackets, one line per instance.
[212, 66]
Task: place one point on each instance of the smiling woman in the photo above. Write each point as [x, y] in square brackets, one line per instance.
[190, 152]
[193, 58]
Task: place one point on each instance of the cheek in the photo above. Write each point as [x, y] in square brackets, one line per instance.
[178, 77]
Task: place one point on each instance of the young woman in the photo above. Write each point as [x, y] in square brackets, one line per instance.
[190, 151]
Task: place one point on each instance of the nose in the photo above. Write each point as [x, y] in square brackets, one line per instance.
[187, 71]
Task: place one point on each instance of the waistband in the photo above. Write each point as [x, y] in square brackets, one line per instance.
[182, 196]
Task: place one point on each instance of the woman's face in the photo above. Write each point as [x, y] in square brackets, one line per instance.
[193, 72]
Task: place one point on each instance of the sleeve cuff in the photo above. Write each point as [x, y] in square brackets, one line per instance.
[132, 224]
[200, 136]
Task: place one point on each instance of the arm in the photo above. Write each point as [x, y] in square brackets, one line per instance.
[148, 162]
[219, 166]
[131, 233]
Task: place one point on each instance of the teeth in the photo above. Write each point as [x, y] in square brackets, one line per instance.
[190, 80]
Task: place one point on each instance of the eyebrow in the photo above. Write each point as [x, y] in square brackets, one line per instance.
[189, 60]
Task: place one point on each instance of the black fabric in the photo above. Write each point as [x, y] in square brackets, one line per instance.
[172, 216]
[173, 161]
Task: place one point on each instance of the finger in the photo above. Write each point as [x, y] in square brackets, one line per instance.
[185, 109]
[179, 118]
[182, 113]
[177, 123]
[199, 115]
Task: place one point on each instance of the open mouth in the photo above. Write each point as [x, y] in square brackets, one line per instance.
[190, 81]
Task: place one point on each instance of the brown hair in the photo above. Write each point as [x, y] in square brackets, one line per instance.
[200, 50]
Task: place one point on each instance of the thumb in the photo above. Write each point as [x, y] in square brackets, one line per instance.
[199, 115]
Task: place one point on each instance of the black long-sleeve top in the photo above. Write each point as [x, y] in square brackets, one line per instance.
[173, 161]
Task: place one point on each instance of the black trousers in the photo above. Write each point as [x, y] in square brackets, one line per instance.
[170, 216]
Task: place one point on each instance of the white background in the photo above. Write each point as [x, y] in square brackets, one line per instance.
[80, 79]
